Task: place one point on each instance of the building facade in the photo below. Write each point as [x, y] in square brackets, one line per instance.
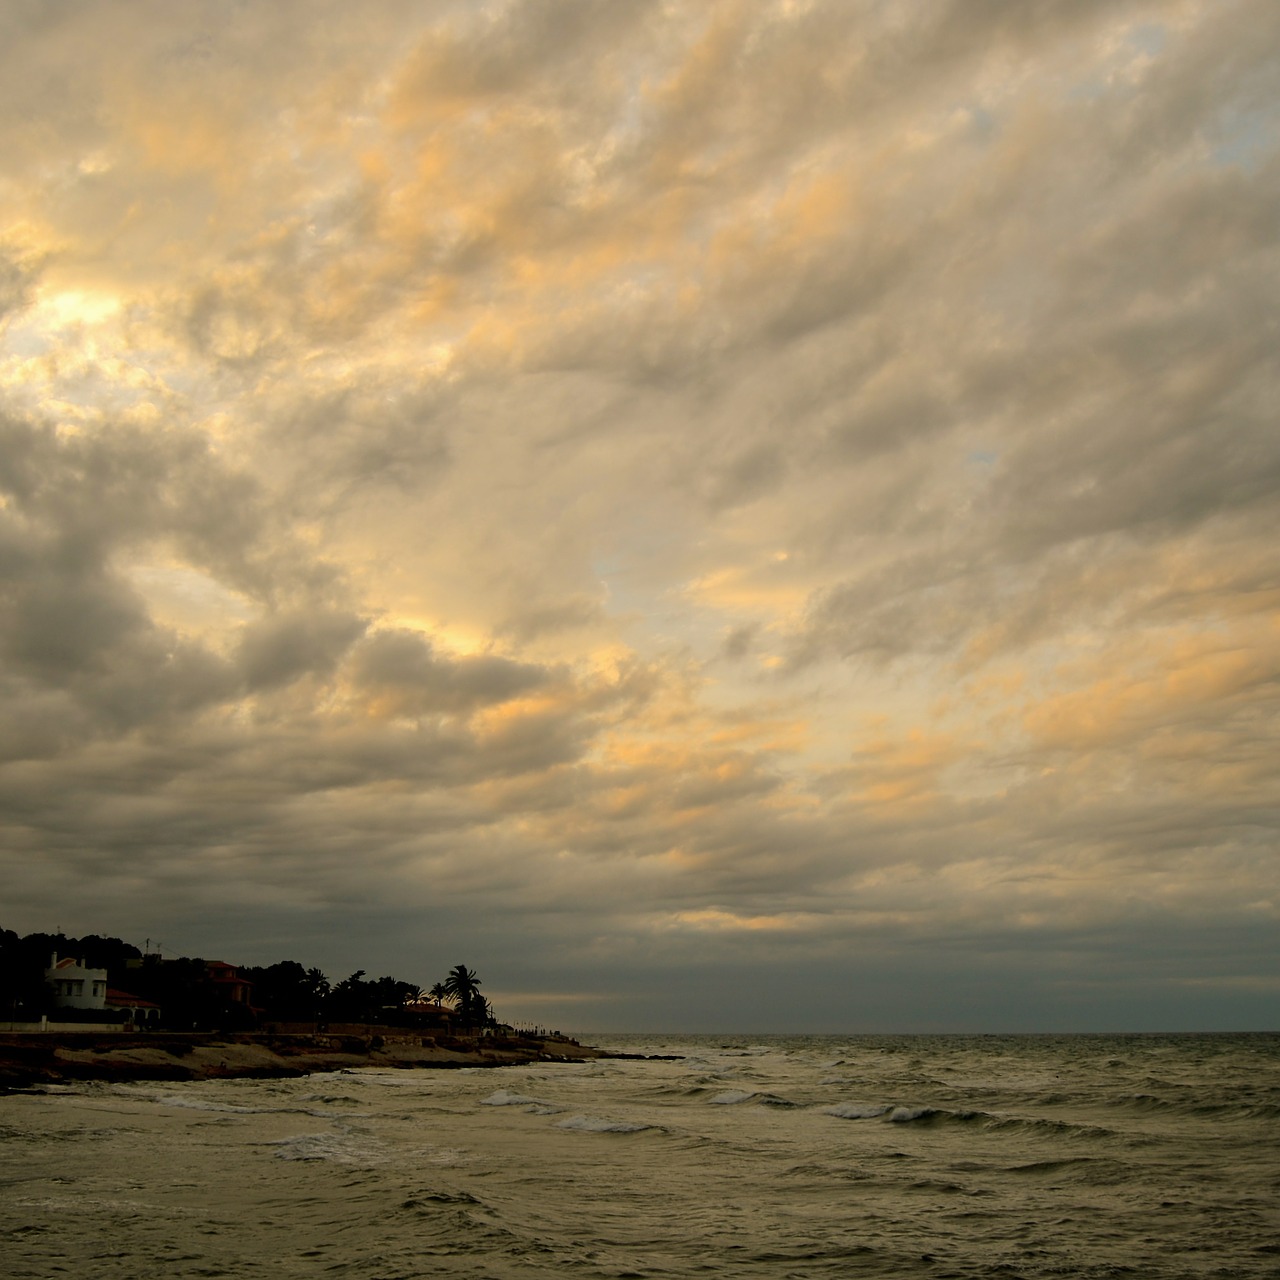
[75, 986]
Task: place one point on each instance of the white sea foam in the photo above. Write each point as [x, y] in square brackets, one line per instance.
[732, 1097]
[535, 1106]
[856, 1110]
[904, 1115]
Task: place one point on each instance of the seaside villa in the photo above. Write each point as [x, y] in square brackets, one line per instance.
[77, 987]
[74, 986]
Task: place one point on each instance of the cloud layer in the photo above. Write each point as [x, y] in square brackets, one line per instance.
[742, 515]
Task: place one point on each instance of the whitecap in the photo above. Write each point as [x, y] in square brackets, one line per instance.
[505, 1098]
[856, 1110]
[904, 1115]
[732, 1097]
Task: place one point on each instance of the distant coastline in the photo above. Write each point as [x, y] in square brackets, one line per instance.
[32, 1059]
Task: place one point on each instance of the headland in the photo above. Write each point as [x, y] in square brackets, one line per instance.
[30, 1060]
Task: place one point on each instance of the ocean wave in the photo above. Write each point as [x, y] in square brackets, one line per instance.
[676, 1091]
[332, 1148]
[333, 1099]
[435, 1198]
[731, 1098]
[535, 1106]
[1054, 1128]
[933, 1115]
[1243, 1108]
[213, 1106]
[83, 1204]
[894, 1113]
[735, 1097]
[595, 1124]
[1083, 1169]
[910, 1115]
[185, 1103]
[857, 1110]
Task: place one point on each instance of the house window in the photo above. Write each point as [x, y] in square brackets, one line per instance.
[99, 988]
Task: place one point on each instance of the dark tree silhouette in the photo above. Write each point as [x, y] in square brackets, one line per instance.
[356, 999]
[462, 986]
[286, 990]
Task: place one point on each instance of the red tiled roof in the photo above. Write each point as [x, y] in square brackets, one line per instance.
[123, 997]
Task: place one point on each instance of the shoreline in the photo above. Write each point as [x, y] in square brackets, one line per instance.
[29, 1060]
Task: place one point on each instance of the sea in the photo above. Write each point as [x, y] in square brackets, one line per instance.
[1154, 1156]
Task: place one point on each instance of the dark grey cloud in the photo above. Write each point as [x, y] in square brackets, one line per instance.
[400, 665]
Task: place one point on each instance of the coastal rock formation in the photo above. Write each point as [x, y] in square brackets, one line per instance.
[27, 1060]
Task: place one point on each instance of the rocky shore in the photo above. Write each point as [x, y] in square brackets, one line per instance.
[32, 1060]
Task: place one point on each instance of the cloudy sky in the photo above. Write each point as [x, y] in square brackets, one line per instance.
[727, 516]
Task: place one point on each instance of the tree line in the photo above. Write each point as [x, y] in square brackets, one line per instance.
[286, 991]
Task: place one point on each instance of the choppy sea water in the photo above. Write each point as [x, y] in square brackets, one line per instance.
[930, 1156]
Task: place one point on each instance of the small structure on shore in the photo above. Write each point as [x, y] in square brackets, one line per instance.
[74, 985]
[138, 1012]
[227, 981]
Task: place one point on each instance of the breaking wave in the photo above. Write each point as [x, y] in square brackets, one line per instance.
[535, 1106]
[595, 1124]
[857, 1110]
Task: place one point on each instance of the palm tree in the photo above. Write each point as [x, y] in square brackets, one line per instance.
[317, 988]
[438, 993]
[463, 986]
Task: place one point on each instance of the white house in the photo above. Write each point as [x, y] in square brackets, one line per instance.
[74, 986]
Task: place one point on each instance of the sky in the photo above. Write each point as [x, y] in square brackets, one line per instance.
[720, 516]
